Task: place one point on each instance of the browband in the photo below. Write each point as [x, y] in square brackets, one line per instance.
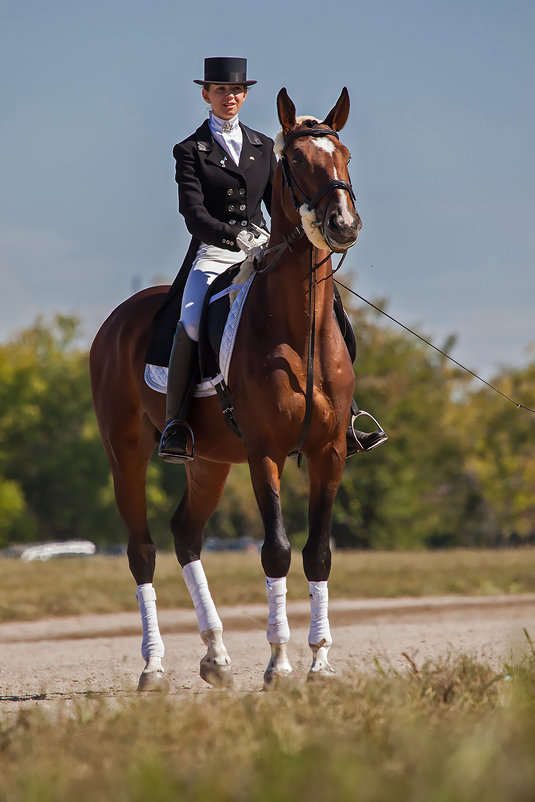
[307, 132]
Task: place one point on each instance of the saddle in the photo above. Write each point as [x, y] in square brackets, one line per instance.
[222, 308]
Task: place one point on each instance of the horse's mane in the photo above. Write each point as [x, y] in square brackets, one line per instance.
[307, 120]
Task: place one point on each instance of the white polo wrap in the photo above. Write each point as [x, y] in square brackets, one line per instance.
[152, 643]
[195, 579]
[320, 631]
[278, 630]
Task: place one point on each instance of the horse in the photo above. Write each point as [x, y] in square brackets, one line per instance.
[291, 380]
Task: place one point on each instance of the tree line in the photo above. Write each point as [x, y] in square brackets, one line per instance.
[458, 468]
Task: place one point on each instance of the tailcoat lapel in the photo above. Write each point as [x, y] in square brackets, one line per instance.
[251, 150]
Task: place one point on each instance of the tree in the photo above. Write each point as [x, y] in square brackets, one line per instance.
[458, 468]
[412, 491]
[50, 449]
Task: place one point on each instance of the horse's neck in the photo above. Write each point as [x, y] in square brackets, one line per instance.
[287, 287]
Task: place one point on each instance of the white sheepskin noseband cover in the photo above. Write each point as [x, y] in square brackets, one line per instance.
[311, 227]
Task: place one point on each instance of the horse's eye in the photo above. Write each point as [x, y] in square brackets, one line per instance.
[297, 159]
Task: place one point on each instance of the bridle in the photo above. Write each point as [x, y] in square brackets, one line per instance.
[327, 189]
[292, 184]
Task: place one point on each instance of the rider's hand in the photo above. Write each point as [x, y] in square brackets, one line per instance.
[253, 242]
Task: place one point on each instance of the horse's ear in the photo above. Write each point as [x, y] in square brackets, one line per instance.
[337, 117]
[286, 110]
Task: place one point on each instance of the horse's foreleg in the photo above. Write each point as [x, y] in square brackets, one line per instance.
[215, 665]
[201, 497]
[325, 474]
[276, 554]
[152, 648]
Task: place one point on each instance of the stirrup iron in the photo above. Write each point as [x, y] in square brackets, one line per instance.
[188, 452]
[379, 436]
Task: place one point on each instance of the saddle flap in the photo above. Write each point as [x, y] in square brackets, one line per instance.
[216, 308]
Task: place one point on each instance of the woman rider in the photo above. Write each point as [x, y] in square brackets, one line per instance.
[224, 170]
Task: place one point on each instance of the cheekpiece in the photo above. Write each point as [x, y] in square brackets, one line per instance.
[224, 70]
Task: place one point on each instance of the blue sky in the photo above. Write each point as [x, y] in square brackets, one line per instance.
[441, 131]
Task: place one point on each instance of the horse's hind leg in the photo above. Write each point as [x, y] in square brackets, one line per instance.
[276, 554]
[325, 472]
[206, 481]
[129, 453]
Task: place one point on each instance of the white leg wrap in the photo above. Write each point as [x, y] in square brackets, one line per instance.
[320, 632]
[152, 644]
[278, 630]
[195, 579]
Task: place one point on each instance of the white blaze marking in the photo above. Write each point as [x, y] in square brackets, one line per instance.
[325, 144]
[329, 147]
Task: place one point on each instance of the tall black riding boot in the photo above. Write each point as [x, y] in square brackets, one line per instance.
[176, 444]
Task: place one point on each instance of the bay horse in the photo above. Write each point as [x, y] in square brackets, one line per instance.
[287, 396]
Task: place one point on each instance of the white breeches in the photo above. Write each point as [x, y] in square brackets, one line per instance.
[209, 263]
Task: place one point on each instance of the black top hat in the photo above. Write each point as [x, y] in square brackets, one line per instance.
[225, 71]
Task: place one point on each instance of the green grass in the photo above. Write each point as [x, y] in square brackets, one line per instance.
[104, 584]
[449, 732]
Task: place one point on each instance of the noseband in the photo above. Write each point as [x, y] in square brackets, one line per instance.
[328, 189]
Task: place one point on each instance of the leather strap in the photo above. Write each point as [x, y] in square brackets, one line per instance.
[307, 132]
[309, 391]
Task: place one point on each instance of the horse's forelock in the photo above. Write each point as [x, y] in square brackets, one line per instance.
[306, 119]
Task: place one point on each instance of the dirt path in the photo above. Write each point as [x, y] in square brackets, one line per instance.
[64, 659]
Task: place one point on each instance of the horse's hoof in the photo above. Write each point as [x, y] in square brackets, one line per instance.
[279, 673]
[220, 676]
[153, 681]
[276, 680]
[324, 674]
[320, 669]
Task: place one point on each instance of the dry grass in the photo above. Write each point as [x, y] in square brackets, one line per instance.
[104, 584]
[451, 732]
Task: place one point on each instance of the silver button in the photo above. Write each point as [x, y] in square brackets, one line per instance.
[242, 191]
[230, 191]
[243, 207]
[232, 222]
[244, 222]
[231, 207]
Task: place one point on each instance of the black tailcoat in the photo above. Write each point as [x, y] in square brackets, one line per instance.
[217, 198]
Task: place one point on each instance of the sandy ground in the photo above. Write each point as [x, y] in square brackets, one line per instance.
[55, 660]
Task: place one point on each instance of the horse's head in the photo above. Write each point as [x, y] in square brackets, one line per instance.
[314, 166]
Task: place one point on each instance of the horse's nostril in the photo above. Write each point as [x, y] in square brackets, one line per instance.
[343, 229]
[335, 220]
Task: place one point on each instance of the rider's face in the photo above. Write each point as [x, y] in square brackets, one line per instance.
[225, 100]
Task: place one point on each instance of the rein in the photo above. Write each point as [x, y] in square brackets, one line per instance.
[309, 390]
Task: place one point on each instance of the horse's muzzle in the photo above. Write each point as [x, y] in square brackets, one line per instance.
[341, 230]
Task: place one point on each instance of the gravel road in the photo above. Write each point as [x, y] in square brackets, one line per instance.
[64, 659]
